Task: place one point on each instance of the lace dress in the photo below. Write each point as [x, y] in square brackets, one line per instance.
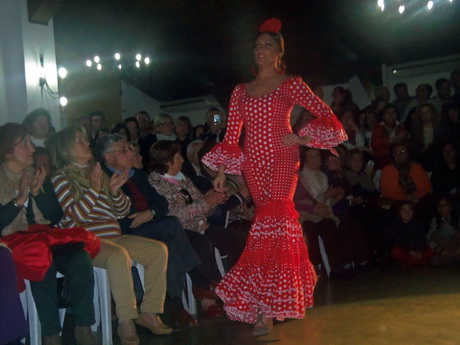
[273, 275]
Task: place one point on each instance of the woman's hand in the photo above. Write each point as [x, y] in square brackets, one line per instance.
[24, 188]
[292, 139]
[37, 181]
[117, 180]
[214, 198]
[95, 178]
[140, 218]
[219, 181]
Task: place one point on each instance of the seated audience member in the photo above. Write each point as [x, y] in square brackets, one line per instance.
[410, 246]
[191, 167]
[97, 121]
[333, 168]
[358, 177]
[236, 199]
[207, 274]
[198, 132]
[445, 178]
[381, 98]
[444, 235]
[122, 129]
[13, 326]
[188, 204]
[133, 128]
[388, 132]
[42, 159]
[368, 119]
[402, 179]
[27, 199]
[426, 134]
[146, 135]
[148, 218]
[450, 116]
[216, 122]
[302, 120]
[342, 101]
[405, 180]
[355, 136]
[402, 100]
[94, 201]
[443, 97]
[183, 130]
[314, 199]
[164, 126]
[38, 123]
[422, 95]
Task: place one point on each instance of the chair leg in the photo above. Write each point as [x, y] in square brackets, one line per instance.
[105, 304]
[324, 256]
[189, 299]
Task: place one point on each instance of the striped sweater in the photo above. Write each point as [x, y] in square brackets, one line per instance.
[92, 211]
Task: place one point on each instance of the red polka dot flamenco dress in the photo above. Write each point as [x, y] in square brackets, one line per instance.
[274, 275]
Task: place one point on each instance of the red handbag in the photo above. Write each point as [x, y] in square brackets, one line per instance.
[32, 249]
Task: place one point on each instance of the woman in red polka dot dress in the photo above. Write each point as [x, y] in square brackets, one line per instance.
[273, 277]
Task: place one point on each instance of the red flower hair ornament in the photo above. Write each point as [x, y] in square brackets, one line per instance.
[272, 25]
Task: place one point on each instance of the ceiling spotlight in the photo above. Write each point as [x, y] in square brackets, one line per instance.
[147, 60]
[119, 66]
[117, 56]
[401, 9]
[89, 63]
[138, 57]
[62, 72]
[138, 64]
[381, 4]
[430, 5]
[395, 71]
[99, 66]
[63, 101]
[97, 59]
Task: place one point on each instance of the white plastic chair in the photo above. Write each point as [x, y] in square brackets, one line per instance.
[102, 309]
[188, 300]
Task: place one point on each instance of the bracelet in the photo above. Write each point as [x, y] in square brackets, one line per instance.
[15, 203]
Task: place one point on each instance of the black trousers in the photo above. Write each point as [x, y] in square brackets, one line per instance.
[182, 257]
[78, 268]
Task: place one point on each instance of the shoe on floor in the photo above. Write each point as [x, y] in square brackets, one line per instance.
[84, 336]
[182, 319]
[52, 340]
[153, 323]
[127, 333]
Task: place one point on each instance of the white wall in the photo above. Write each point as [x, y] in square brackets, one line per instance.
[21, 44]
[133, 100]
[418, 72]
[354, 85]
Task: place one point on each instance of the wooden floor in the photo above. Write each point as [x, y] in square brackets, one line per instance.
[397, 306]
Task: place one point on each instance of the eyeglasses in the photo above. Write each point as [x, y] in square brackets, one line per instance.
[402, 152]
[188, 198]
[167, 123]
[124, 150]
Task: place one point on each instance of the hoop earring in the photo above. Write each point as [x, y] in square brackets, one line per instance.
[253, 70]
[282, 67]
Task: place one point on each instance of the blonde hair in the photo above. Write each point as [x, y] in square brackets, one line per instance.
[61, 146]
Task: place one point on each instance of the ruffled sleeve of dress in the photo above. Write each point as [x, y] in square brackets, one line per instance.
[228, 152]
[325, 130]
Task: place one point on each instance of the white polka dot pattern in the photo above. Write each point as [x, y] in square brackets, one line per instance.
[274, 275]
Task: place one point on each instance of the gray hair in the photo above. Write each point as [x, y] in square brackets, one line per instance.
[104, 144]
[192, 146]
[160, 119]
